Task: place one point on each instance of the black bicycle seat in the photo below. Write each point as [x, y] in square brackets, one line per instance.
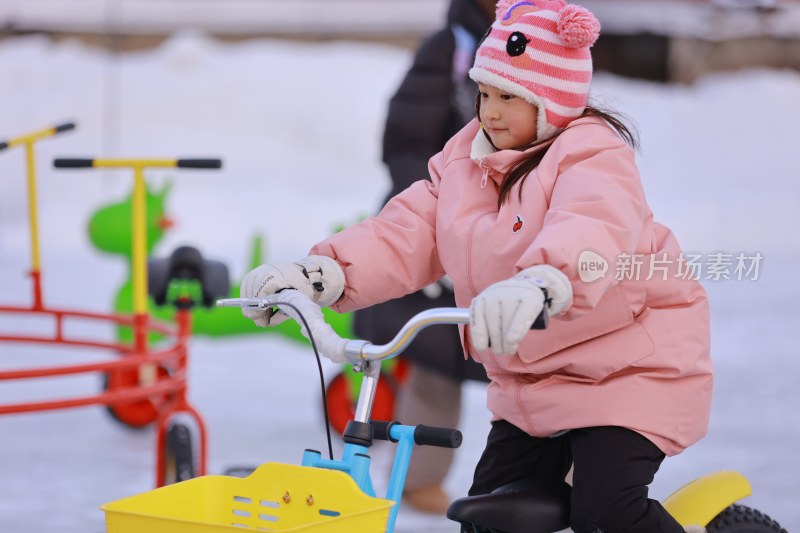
[187, 263]
[520, 507]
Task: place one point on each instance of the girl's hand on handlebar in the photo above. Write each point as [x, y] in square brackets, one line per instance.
[318, 277]
[502, 314]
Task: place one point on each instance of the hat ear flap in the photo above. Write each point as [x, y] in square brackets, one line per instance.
[577, 26]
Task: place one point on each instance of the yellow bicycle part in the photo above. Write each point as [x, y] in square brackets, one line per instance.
[138, 222]
[698, 502]
[276, 497]
[28, 141]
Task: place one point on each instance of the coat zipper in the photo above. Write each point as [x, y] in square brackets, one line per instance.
[485, 176]
[469, 250]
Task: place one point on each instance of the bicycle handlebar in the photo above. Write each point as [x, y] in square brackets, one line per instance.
[199, 163]
[341, 350]
[72, 162]
[362, 354]
[67, 126]
[423, 435]
[37, 135]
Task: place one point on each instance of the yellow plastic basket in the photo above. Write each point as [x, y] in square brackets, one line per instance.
[276, 497]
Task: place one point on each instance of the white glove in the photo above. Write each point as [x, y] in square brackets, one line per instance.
[503, 313]
[317, 276]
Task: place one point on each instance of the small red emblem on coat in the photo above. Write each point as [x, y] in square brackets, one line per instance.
[518, 224]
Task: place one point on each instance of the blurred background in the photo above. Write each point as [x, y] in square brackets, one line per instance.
[292, 95]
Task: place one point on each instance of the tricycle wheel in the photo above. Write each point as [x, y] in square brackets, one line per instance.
[742, 519]
[179, 461]
[136, 414]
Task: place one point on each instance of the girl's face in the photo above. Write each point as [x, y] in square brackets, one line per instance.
[509, 120]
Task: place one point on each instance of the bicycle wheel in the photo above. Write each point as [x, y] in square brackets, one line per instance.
[179, 462]
[742, 519]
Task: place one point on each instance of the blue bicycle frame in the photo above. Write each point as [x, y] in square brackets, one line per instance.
[356, 463]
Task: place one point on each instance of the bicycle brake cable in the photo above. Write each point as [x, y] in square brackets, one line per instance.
[321, 375]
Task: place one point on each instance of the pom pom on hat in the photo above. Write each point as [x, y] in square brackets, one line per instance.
[577, 26]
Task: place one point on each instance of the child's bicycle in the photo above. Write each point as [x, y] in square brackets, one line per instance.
[327, 495]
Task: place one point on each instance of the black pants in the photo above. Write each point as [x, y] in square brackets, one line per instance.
[613, 467]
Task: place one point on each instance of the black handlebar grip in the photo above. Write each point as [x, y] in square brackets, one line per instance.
[441, 437]
[65, 127]
[381, 430]
[199, 163]
[70, 162]
[3, 146]
[541, 321]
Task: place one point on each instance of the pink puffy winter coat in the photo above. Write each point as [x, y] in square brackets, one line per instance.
[631, 351]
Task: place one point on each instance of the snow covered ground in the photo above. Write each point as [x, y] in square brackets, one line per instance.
[299, 129]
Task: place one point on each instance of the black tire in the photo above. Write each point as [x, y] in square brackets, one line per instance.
[179, 462]
[742, 519]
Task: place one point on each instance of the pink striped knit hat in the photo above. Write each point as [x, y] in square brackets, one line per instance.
[539, 50]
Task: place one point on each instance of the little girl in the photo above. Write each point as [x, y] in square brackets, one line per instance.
[538, 205]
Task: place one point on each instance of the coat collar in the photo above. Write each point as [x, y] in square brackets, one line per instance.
[481, 147]
[496, 163]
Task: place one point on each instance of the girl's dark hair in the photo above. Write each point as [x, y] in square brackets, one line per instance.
[522, 167]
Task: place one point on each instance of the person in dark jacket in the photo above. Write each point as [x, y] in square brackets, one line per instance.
[434, 101]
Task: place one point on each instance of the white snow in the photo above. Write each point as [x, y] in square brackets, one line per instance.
[299, 126]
